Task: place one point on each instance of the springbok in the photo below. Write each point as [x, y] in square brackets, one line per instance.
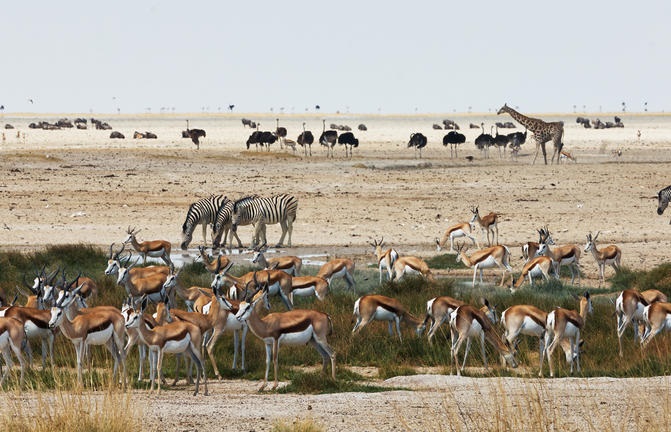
[279, 284]
[566, 254]
[36, 324]
[494, 256]
[303, 286]
[150, 284]
[462, 229]
[338, 267]
[214, 263]
[530, 249]
[658, 318]
[527, 320]
[386, 259]
[411, 265]
[12, 335]
[189, 295]
[114, 264]
[378, 307]
[97, 327]
[295, 327]
[438, 311]
[610, 255]
[629, 308]
[566, 324]
[288, 263]
[175, 337]
[152, 248]
[467, 322]
[488, 223]
[539, 266]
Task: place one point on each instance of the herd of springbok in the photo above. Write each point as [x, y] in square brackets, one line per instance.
[237, 304]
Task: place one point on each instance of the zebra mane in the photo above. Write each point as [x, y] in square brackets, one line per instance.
[243, 201]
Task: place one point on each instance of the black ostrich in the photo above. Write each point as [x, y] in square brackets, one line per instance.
[516, 140]
[501, 141]
[362, 127]
[305, 140]
[453, 139]
[418, 141]
[328, 138]
[484, 141]
[280, 132]
[194, 134]
[266, 138]
[254, 138]
[348, 139]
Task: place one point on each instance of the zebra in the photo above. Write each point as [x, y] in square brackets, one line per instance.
[222, 224]
[261, 211]
[663, 198]
[201, 212]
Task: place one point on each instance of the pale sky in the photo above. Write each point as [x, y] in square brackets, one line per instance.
[358, 56]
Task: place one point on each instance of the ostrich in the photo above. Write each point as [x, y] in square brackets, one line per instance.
[254, 138]
[501, 141]
[362, 127]
[280, 132]
[348, 139]
[305, 140]
[483, 141]
[266, 138]
[194, 134]
[328, 138]
[418, 141]
[453, 138]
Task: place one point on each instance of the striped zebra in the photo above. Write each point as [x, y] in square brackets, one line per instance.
[663, 198]
[202, 212]
[222, 224]
[260, 211]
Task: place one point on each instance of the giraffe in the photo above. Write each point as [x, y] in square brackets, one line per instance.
[542, 131]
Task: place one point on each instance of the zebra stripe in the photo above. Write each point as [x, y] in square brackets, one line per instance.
[261, 211]
[663, 198]
[202, 212]
[222, 224]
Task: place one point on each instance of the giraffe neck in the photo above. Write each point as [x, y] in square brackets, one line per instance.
[527, 122]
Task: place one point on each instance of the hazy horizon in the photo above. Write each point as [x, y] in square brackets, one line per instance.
[428, 57]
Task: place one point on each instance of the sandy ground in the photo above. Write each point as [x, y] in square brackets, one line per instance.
[74, 186]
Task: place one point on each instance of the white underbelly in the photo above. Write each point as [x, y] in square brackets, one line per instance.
[531, 327]
[536, 271]
[274, 288]
[382, 314]
[475, 329]
[232, 323]
[177, 346]
[4, 341]
[340, 272]
[410, 271]
[488, 263]
[297, 338]
[156, 254]
[100, 337]
[458, 233]
[571, 330]
[33, 331]
[565, 261]
[304, 292]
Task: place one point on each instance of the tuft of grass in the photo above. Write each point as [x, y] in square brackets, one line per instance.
[301, 425]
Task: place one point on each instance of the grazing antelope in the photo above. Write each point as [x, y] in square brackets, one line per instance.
[494, 256]
[378, 307]
[97, 327]
[114, 264]
[302, 286]
[467, 322]
[411, 265]
[175, 337]
[295, 327]
[539, 266]
[488, 223]
[150, 284]
[279, 283]
[530, 249]
[189, 295]
[610, 255]
[439, 310]
[211, 263]
[567, 254]
[152, 248]
[629, 308]
[386, 259]
[12, 335]
[462, 229]
[289, 264]
[527, 320]
[339, 267]
[566, 324]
